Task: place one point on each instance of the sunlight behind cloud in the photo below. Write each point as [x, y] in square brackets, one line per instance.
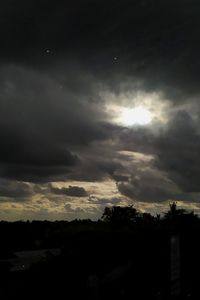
[137, 108]
[135, 116]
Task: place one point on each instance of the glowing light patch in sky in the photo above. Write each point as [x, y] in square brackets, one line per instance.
[137, 108]
[135, 116]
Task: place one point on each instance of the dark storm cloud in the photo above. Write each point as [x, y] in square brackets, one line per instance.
[148, 188]
[17, 191]
[57, 58]
[73, 191]
[144, 181]
[121, 178]
[178, 151]
[40, 122]
[154, 41]
[100, 159]
[138, 139]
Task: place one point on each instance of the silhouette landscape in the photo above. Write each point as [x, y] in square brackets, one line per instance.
[99, 149]
[125, 254]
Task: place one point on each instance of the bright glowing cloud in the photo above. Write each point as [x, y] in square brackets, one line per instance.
[135, 116]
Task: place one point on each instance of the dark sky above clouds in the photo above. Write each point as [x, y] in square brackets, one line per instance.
[68, 70]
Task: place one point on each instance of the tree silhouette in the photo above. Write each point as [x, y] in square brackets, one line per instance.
[118, 214]
[175, 212]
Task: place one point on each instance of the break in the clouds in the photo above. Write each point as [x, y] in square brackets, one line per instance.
[98, 93]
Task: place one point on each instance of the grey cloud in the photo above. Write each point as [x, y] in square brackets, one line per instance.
[148, 185]
[73, 191]
[100, 161]
[15, 191]
[150, 193]
[69, 209]
[106, 201]
[178, 150]
[139, 139]
[121, 178]
[40, 123]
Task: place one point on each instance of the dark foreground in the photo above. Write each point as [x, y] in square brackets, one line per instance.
[148, 258]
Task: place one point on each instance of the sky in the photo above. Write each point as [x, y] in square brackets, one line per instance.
[99, 106]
